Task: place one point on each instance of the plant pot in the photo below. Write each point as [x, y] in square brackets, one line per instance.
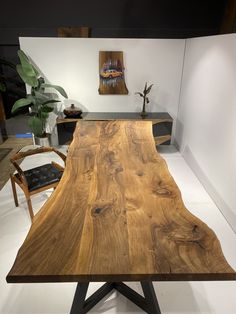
[143, 114]
[42, 141]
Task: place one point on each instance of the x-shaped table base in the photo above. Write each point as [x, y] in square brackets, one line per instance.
[148, 303]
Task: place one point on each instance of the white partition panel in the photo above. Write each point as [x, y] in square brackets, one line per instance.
[206, 126]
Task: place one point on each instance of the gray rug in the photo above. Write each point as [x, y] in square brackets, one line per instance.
[4, 152]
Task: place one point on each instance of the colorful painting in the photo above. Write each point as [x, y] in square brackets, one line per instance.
[111, 73]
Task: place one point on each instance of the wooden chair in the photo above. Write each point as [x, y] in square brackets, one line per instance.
[37, 179]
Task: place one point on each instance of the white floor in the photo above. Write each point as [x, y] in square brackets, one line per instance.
[174, 297]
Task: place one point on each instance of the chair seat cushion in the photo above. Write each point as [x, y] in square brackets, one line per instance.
[42, 176]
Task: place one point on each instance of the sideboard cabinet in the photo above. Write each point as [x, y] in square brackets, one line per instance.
[161, 122]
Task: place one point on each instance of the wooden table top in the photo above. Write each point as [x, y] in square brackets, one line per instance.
[117, 215]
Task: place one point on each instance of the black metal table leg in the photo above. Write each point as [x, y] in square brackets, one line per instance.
[132, 295]
[79, 298]
[148, 303]
[150, 297]
[97, 296]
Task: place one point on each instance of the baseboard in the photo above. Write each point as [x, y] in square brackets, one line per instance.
[226, 211]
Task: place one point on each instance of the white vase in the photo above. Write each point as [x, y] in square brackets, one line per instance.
[42, 141]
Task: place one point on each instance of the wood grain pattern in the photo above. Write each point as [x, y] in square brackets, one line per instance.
[117, 215]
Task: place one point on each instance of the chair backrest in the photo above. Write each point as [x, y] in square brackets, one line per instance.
[20, 154]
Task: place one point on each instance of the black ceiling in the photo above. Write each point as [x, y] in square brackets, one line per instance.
[118, 18]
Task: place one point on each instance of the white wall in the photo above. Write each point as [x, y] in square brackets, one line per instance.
[206, 126]
[73, 64]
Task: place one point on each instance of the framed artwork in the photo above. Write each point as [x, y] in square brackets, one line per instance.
[111, 73]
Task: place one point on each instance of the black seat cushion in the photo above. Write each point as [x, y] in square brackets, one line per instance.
[42, 176]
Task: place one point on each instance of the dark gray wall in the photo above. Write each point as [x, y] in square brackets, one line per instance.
[112, 18]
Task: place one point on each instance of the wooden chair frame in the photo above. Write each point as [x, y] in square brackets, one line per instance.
[21, 180]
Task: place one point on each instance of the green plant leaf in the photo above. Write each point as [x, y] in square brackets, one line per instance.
[51, 101]
[56, 87]
[149, 89]
[140, 94]
[35, 71]
[44, 115]
[47, 109]
[36, 125]
[31, 98]
[145, 88]
[2, 87]
[20, 103]
[27, 67]
[32, 81]
[40, 97]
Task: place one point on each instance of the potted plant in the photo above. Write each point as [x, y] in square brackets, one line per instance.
[146, 91]
[41, 103]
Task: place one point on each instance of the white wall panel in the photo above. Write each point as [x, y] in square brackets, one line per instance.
[206, 126]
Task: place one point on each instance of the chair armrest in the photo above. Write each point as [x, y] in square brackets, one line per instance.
[56, 165]
[20, 171]
[60, 154]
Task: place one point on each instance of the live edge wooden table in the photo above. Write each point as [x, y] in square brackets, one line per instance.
[117, 215]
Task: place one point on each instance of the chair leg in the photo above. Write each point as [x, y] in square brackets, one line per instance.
[30, 208]
[29, 203]
[13, 185]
